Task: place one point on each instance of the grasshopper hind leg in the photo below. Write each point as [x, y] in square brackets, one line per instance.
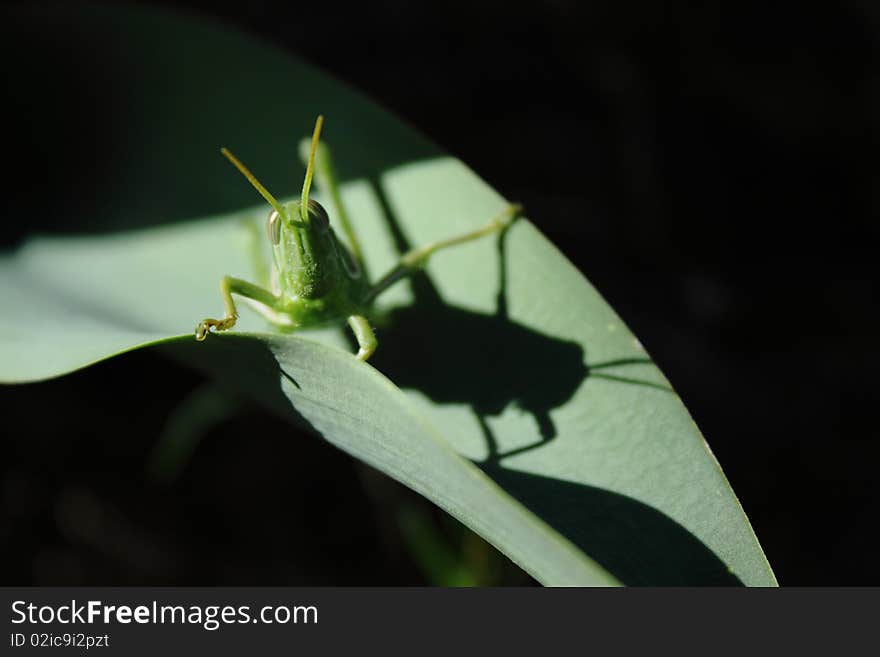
[414, 260]
[364, 335]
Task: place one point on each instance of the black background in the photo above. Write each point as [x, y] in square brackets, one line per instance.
[709, 169]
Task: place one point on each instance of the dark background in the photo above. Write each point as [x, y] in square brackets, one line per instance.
[710, 170]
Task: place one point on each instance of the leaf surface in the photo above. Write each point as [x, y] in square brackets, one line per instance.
[505, 389]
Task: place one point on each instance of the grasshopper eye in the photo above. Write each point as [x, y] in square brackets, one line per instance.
[318, 214]
[273, 227]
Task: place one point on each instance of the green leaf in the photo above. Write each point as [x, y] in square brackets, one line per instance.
[527, 410]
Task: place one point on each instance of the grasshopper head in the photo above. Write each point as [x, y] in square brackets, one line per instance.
[302, 241]
[305, 249]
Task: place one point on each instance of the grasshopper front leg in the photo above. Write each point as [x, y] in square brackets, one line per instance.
[228, 287]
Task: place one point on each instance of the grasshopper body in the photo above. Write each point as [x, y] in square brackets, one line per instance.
[316, 279]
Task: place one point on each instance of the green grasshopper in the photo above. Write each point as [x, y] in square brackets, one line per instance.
[317, 280]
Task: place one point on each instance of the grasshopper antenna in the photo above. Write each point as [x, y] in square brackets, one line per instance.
[253, 181]
[310, 169]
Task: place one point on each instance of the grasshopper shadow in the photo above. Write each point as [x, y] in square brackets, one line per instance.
[459, 356]
[488, 361]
